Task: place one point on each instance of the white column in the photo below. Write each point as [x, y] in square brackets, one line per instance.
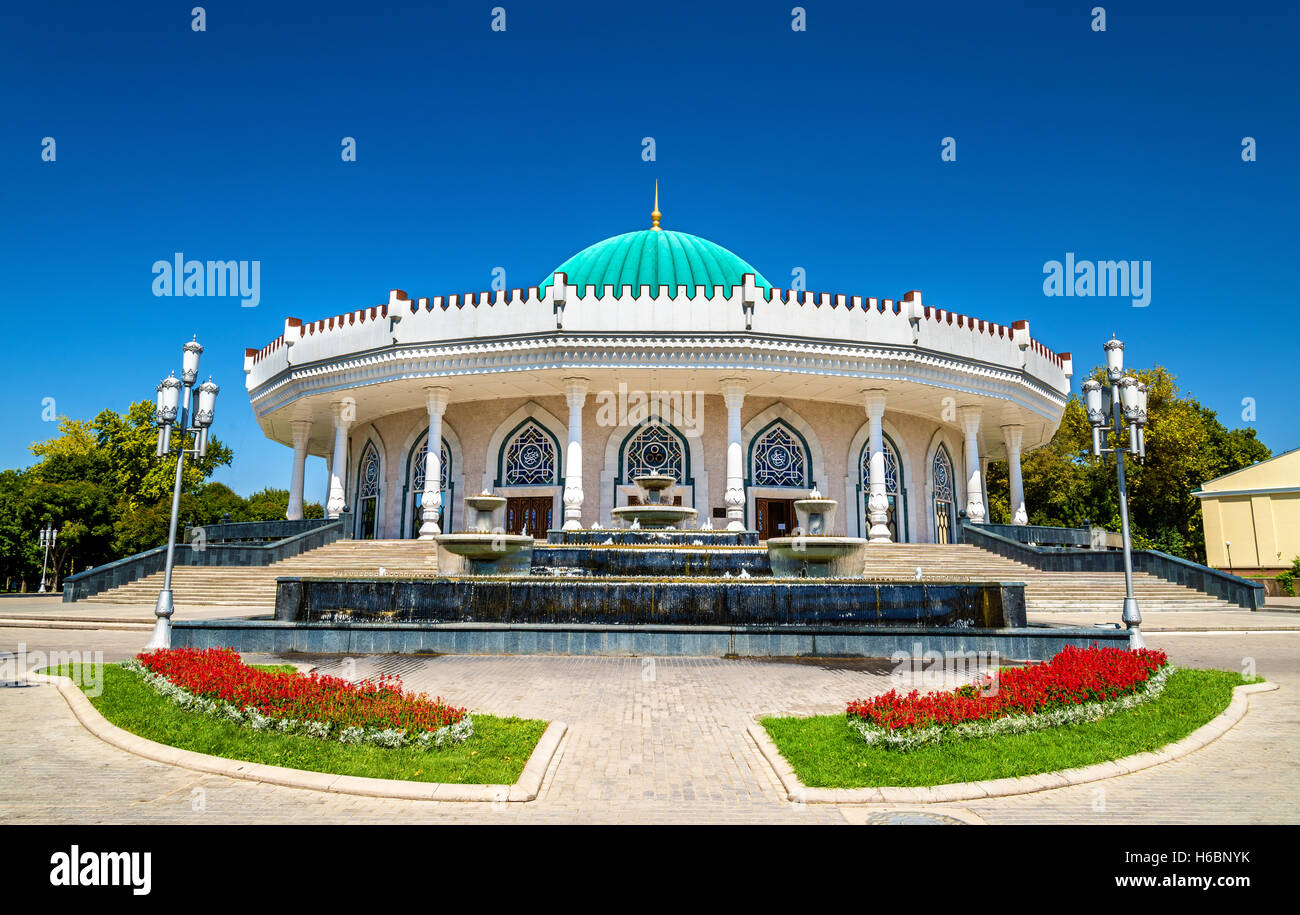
[878, 500]
[301, 433]
[970, 423]
[435, 401]
[733, 394]
[344, 413]
[575, 392]
[1013, 436]
[329, 478]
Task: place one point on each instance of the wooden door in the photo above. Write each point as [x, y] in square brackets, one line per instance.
[529, 515]
[774, 518]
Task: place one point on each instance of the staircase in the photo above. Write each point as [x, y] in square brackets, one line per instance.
[1045, 592]
[253, 587]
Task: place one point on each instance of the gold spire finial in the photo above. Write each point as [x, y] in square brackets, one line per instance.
[654, 217]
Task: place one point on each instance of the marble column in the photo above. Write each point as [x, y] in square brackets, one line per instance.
[970, 423]
[733, 394]
[878, 498]
[435, 401]
[329, 481]
[1013, 436]
[301, 429]
[575, 392]
[344, 413]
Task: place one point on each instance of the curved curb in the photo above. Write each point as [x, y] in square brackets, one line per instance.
[526, 789]
[1004, 787]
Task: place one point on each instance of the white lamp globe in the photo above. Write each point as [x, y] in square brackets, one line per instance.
[190, 361]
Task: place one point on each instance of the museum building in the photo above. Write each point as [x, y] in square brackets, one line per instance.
[658, 352]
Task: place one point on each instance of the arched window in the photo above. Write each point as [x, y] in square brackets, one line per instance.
[530, 458]
[894, 487]
[779, 458]
[416, 487]
[368, 481]
[945, 505]
[654, 449]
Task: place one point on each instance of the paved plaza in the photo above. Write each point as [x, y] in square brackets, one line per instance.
[650, 740]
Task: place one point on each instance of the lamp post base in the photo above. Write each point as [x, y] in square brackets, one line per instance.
[1133, 620]
[162, 635]
[162, 628]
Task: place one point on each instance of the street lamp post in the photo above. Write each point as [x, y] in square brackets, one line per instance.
[172, 399]
[1128, 397]
[48, 536]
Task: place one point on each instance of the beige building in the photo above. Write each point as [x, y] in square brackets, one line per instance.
[1252, 516]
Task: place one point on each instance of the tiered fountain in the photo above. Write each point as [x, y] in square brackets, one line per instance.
[812, 552]
[656, 512]
[486, 549]
[654, 587]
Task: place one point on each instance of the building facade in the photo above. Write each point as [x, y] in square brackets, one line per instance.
[657, 351]
[1252, 517]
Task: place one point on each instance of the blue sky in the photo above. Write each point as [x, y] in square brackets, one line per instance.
[479, 149]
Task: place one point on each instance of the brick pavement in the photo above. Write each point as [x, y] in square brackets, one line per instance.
[650, 742]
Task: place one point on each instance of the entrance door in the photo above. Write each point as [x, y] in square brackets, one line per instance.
[367, 518]
[529, 515]
[775, 518]
[943, 521]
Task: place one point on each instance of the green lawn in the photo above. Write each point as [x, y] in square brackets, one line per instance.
[495, 755]
[826, 753]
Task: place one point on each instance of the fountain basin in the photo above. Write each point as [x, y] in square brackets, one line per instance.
[483, 509]
[484, 553]
[817, 557]
[655, 513]
[815, 515]
[654, 516]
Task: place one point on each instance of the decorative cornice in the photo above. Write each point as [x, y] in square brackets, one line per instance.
[722, 353]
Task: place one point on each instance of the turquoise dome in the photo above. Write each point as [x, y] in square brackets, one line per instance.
[654, 258]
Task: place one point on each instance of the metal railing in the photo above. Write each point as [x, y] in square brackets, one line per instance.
[206, 552]
[1231, 588]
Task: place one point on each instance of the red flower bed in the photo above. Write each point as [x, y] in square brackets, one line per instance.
[218, 673]
[1074, 676]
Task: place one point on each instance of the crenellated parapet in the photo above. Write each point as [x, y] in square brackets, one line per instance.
[782, 329]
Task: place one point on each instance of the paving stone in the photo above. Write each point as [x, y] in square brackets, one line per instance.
[659, 743]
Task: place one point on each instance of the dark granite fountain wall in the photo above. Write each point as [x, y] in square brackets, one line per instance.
[654, 561]
[651, 600]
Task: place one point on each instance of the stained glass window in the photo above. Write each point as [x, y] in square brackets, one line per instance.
[779, 459]
[370, 473]
[944, 514]
[530, 458]
[654, 450]
[942, 476]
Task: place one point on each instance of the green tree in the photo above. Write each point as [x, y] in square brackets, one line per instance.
[1186, 445]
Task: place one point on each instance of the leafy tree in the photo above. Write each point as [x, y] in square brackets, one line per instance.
[102, 487]
[1186, 445]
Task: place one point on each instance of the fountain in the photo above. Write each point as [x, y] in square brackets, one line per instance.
[484, 549]
[655, 513]
[812, 552]
[651, 590]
